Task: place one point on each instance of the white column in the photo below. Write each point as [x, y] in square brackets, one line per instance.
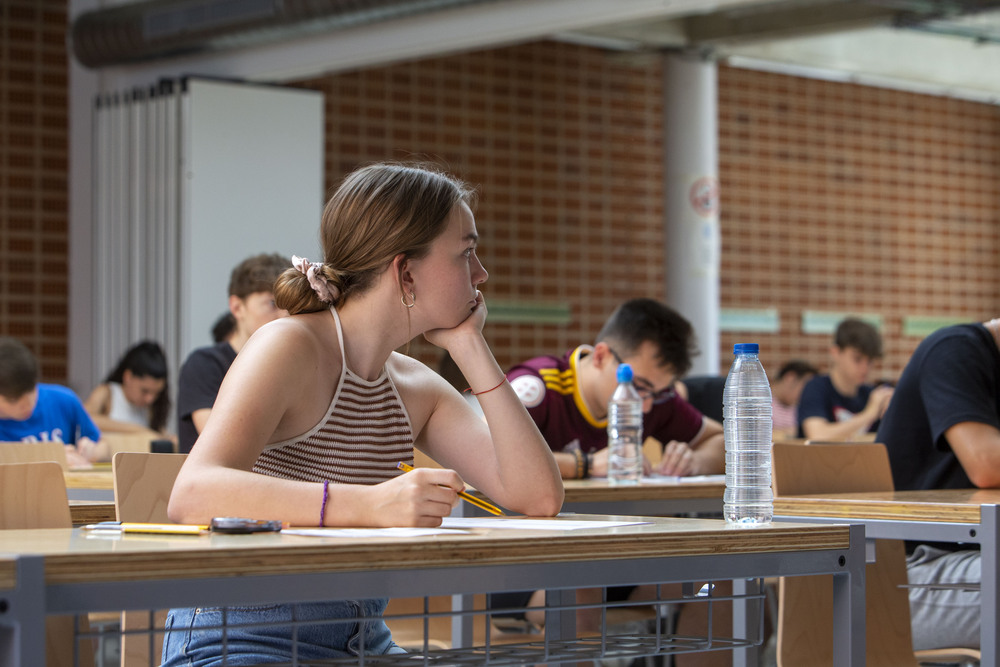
[691, 199]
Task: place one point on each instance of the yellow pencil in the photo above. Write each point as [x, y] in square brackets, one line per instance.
[160, 528]
[472, 500]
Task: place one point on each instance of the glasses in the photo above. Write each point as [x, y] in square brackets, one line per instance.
[644, 387]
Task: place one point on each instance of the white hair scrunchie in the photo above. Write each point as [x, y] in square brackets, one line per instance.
[326, 292]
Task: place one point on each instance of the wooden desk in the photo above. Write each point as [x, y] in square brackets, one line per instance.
[663, 497]
[651, 497]
[72, 571]
[90, 483]
[945, 515]
[84, 512]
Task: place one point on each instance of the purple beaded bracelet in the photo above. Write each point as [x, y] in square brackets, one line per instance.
[326, 496]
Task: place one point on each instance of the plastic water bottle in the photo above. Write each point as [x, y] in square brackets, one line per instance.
[625, 431]
[746, 412]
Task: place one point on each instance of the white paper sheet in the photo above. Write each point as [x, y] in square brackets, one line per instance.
[530, 524]
[693, 479]
[459, 526]
[369, 532]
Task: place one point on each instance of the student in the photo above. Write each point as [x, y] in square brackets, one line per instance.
[34, 412]
[568, 396]
[942, 431]
[317, 409]
[251, 305]
[840, 406]
[134, 397]
[786, 390]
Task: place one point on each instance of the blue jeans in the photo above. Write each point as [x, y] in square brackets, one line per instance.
[275, 633]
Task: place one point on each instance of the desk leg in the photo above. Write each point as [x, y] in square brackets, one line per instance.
[989, 536]
[849, 605]
[462, 624]
[560, 623]
[746, 620]
[22, 616]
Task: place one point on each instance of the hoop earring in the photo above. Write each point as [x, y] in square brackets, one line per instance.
[413, 300]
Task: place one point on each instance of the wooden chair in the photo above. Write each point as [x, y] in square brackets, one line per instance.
[805, 619]
[128, 442]
[28, 452]
[33, 495]
[143, 483]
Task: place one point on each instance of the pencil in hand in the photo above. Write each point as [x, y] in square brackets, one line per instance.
[472, 500]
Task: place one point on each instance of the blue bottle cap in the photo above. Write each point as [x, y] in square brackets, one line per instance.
[746, 348]
[624, 373]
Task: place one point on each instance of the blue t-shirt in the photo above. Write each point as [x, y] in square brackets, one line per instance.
[58, 417]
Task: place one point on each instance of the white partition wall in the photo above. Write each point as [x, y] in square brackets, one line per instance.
[252, 182]
[191, 178]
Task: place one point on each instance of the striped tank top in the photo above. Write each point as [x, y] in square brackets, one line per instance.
[365, 433]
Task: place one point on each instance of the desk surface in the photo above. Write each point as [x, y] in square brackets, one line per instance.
[76, 556]
[943, 505]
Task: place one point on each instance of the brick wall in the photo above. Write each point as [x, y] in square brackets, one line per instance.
[33, 179]
[840, 197]
[834, 196]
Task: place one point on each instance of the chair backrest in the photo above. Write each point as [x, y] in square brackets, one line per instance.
[128, 442]
[29, 452]
[805, 616]
[846, 467]
[33, 495]
[143, 483]
[705, 393]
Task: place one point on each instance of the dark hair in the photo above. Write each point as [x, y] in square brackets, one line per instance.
[223, 327]
[18, 369]
[378, 212]
[146, 359]
[639, 320]
[860, 335]
[798, 368]
[257, 274]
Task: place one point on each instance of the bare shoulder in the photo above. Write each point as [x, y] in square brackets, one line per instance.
[295, 331]
[99, 399]
[297, 345]
[419, 386]
[409, 372]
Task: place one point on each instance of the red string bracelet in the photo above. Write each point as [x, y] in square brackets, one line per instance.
[486, 391]
[326, 496]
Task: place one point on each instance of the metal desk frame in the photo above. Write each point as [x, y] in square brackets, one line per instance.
[986, 534]
[23, 609]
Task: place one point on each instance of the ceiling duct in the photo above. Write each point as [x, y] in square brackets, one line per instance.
[155, 29]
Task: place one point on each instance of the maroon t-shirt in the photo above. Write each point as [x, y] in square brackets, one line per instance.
[547, 386]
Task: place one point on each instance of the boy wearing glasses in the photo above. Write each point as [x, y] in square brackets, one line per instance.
[568, 396]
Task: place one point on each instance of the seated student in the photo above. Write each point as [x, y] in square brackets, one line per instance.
[318, 408]
[840, 406]
[134, 397]
[568, 396]
[786, 390]
[251, 305]
[942, 431]
[34, 412]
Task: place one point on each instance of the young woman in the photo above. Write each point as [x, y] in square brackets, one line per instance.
[134, 396]
[318, 409]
